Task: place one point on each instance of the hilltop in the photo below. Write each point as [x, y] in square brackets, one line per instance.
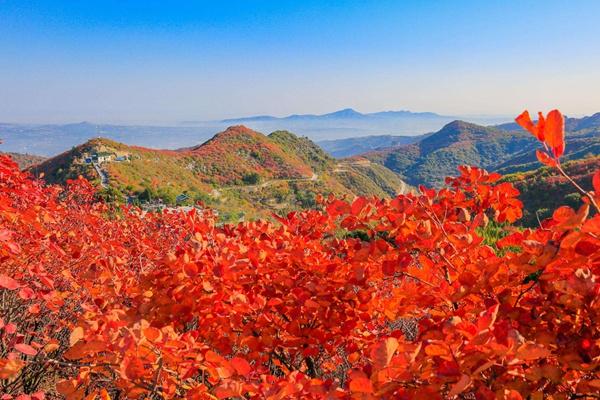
[238, 172]
[505, 148]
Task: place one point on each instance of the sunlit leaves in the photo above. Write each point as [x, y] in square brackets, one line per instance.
[362, 298]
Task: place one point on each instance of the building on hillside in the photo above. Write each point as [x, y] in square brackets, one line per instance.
[104, 156]
[181, 198]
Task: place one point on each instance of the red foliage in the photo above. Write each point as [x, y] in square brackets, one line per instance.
[370, 299]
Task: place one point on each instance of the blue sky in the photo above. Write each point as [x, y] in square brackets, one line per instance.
[168, 61]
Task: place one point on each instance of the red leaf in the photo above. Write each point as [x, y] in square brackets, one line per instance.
[25, 349]
[554, 130]
[359, 383]
[241, 366]
[389, 267]
[382, 352]
[545, 159]
[596, 183]
[8, 283]
[524, 120]
[460, 386]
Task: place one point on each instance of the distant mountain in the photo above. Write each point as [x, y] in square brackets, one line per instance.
[352, 146]
[346, 113]
[238, 171]
[25, 160]
[347, 123]
[506, 148]
[52, 139]
[49, 140]
[544, 189]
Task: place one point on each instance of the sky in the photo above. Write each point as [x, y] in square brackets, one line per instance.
[170, 61]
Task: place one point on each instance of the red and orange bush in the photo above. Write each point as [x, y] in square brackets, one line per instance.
[365, 299]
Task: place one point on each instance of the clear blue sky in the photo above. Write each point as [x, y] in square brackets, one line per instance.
[167, 61]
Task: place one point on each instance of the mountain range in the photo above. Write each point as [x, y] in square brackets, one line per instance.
[504, 148]
[52, 139]
[239, 172]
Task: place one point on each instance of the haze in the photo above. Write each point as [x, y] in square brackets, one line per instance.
[162, 62]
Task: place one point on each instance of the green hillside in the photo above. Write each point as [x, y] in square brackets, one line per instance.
[432, 159]
[505, 148]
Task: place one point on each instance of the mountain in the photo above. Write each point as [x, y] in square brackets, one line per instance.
[348, 123]
[340, 114]
[544, 189]
[437, 156]
[25, 160]
[353, 146]
[239, 172]
[505, 148]
[52, 139]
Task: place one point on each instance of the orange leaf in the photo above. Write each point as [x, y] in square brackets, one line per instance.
[488, 317]
[76, 336]
[9, 368]
[530, 351]
[545, 159]
[554, 131]
[382, 352]
[104, 395]
[524, 120]
[436, 350]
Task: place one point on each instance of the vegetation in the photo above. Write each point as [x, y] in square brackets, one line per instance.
[25, 160]
[238, 171]
[364, 299]
[506, 149]
[545, 189]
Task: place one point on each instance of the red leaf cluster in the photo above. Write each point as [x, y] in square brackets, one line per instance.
[372, 298]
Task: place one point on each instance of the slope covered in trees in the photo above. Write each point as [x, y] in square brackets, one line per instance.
[544, 190]
[238, 172]
[373, 298]
[505, 148]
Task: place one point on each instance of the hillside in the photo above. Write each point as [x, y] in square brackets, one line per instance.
[24, 160]
[239, 172]
[437, 156]
[502, 148]
[544, 189]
